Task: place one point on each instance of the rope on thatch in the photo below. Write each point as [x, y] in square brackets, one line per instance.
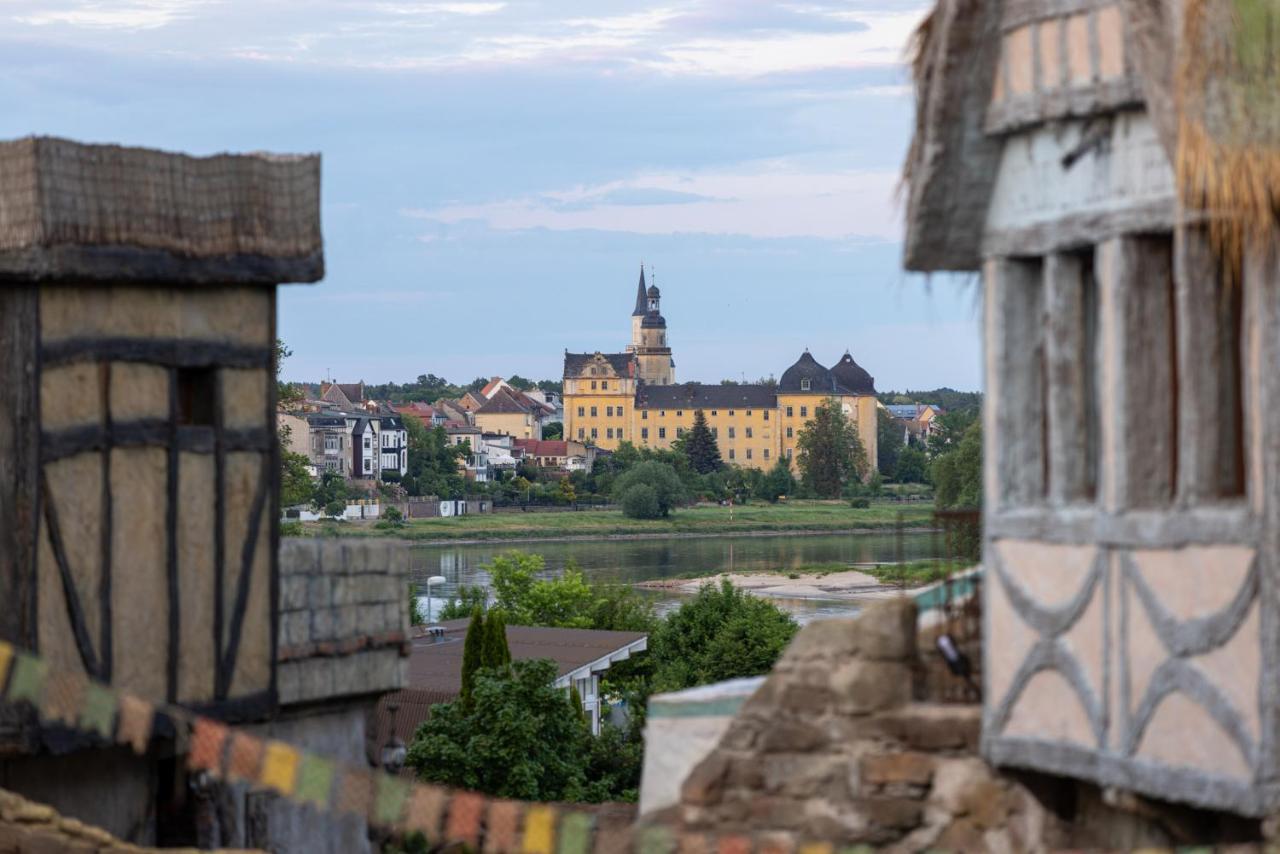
[1228, 102]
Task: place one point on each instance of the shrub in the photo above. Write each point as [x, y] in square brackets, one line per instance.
[658, 476]
[393, 514]
[335, 507]
[641, 502]
[291, 529]
[860, 503]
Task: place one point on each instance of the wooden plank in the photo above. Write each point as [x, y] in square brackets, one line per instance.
[1069, 359]
[19, 460]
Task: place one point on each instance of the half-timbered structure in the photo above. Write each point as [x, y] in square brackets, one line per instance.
[1132, 487]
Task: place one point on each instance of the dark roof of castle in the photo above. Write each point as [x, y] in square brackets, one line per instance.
[705, 396]
[641, 305]
[821, 381]
[853, 376]
[575, 362]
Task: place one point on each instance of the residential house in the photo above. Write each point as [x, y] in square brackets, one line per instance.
[393, 444]
[429, 415]
[513, 415]
[435, 669]
[918, 420]
[1132, 476]
[330, 443]
[553, 402]
[364, 447]
[343, 396]
[564, 455]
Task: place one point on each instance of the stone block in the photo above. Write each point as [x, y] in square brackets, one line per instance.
[287, 681]
[791, 736]
[886, 769]
[805, 775]
[862, 687]
[705, 783]
[345, 590]
[822, 640]
[887, 630]
[319, 591]
[897, 813]
[299, 556]
[932, 726]
[745, 772]
[315, 679]
[294, 593]
[804, 699]
[398, 561]
[295, 628]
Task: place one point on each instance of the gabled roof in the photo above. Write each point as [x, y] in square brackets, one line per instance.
[343, 394]
[502, 403]
[543, 447]
[705, 396]
[622, 363]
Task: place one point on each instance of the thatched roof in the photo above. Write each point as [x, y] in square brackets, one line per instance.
[951, 165]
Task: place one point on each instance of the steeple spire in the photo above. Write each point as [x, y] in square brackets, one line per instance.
[642, 306]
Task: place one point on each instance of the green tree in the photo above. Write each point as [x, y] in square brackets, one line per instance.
[831, 453]
[467, 601]
[432, 462]
[658, 476]
[778, 482]
[722, 633]
[565, 493]
[494, 651]
[640, 501]
[287, 394]
[331, 488]
[472, 655]
[957, 474]
[949, 429]
[911, 466]
[296, 485]
[417, 614]
[888, 443]
[553, 430]
[518, 738]
[700, 446]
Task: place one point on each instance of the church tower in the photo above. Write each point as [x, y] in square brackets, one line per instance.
[654, 364]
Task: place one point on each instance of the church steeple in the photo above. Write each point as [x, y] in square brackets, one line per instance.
[642, 307]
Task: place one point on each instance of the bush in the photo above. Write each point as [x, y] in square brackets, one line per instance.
[291, 529]
[660, 477]
[641, 502]
[860, 503]
[335, 507]
[393, 514]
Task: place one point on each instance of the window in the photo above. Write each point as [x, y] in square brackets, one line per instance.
[714, 413]
[593, 385]
[368, 465]
[593, 412]
[644, 432]
[333, 443]
[197, 393]
[644, 415]
[730, 413]
[608, 410]
[609, 433]
[731, 453]
[715, 431]
[582, 433]
[604, 384]
[679, 413]
[662, 432]
[662, 413]
[748, 453]
[732, 430]
[790, 412]
[619, 412]
[368, 443]
[790, 432]
[765, 413]
[805, 385]
[804, 412]
[582, 410]
[748, 413]
[619, 432]
[679, 432]
[766, 453]
[748, 432]
[595, 433]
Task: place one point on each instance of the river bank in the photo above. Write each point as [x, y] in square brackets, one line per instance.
[825, 581]
[798, 518]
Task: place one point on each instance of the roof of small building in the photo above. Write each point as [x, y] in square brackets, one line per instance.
[821, 380]
[436, 665]
[503, 402]
[620, 362]
[705, 396]
[543, 447]
[852, 376]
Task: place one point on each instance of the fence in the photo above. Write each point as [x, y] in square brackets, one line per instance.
[951, 613]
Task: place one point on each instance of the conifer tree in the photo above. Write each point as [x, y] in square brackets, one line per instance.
[472, 653]
[700, 446]
[495, 652]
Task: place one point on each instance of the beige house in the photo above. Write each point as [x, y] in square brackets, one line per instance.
[1132, 486]
[509, 415]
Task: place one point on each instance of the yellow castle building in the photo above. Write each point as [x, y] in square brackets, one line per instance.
[632, 396]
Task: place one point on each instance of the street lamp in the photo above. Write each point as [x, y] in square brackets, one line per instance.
[435, 579]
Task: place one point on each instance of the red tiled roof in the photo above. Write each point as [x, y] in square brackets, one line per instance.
[543, 447]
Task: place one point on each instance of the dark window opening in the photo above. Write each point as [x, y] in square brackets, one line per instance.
[197, 396]
[1231, 463]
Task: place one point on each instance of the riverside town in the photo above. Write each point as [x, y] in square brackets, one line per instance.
[713, 428]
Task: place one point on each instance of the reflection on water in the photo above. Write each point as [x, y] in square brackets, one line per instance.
[640, 560]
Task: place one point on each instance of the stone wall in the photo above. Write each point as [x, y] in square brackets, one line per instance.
[832, 747]
[344, 618]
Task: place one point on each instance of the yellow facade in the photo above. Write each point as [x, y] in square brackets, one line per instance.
[521, 425]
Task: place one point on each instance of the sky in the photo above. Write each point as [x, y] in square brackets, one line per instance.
[496, 171]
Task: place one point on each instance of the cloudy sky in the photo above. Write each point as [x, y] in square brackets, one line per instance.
[495, 171]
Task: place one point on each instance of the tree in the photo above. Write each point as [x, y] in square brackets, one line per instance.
[888, 443]
[831, 454]
[519, 737]
[553, 430]
[296, 485]
[494, 651]
[432, 462]
[565, 493]
[640, 501]
[287, 394]
[472, 655]
[658, 476]
[469, 599]
[957, 474]
[911, 465]
[722, 633]
[779, 481]
[949, 429]
[331, 489]
[700, 446]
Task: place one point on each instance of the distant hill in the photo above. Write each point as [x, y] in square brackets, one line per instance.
[948, 398]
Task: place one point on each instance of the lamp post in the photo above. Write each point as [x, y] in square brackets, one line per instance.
[435, 579]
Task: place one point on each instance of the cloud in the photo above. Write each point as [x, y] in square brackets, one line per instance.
[763, 199]
[125, 15]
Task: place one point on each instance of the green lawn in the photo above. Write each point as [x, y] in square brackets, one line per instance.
[706, 519]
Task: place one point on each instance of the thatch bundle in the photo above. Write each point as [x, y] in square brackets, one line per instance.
[1227, 97]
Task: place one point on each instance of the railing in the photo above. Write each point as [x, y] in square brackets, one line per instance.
[951, 613]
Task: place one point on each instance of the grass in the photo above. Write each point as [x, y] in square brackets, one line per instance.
[703, 519]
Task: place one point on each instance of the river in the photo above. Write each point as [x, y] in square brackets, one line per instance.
[640, 560]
